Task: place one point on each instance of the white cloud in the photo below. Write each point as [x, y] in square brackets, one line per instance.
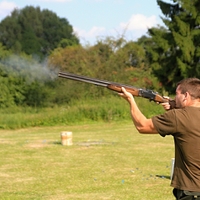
[58, 1]
[139, 22]
[6, 8]
[95, 31]
[90, 35]
[131, 30]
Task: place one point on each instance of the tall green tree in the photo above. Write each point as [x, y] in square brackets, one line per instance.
[35, 31]
[175, 49]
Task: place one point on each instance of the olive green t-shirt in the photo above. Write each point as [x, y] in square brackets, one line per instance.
[184, 126]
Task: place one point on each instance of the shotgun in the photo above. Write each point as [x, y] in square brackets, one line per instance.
[139, 92]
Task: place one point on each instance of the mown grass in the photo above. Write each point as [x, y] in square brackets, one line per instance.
[106, 161]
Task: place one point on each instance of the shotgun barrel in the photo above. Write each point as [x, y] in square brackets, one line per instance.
[86, 79]
[149, 94]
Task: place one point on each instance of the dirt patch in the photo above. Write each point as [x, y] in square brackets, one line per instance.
[36, 145]
[7, 142]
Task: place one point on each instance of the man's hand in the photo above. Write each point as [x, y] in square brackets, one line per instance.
[166, 105]
[126, 95]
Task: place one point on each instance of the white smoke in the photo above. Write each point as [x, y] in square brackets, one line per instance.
[30, 69]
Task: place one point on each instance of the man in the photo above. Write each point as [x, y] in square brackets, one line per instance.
[183, 123]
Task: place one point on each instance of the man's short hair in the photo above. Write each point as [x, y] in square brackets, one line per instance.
[190, 85]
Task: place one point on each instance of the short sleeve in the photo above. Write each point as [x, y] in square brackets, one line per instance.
[166, 123]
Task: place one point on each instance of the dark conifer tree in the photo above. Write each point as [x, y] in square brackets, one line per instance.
[175, 50]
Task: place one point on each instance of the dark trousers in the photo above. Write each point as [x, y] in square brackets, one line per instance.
[186, 195]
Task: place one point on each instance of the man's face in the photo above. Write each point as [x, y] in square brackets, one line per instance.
[179, 98]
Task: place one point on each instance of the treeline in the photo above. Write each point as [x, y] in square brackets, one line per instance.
[35, 44]
[29, 82]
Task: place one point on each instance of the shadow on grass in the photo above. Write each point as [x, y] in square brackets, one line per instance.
[57, 143]
[163, 176]
[91, 143]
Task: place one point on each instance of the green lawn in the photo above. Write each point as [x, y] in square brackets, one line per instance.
[108, 161]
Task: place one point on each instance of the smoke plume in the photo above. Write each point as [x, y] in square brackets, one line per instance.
[30, 69]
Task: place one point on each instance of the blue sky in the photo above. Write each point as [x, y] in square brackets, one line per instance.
[97, 19]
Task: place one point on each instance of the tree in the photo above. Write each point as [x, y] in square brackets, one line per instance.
[35, 31]
[12, 90]
[175, 49]
[24, 81]
[3, 52]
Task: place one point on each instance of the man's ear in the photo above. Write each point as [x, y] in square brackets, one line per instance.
[187, 95]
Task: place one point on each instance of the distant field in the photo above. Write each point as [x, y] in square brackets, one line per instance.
[106, 161]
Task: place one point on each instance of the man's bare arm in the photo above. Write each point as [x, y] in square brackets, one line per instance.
[142, 124]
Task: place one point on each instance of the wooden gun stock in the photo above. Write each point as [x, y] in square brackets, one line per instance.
[117, 87]
[149, 94]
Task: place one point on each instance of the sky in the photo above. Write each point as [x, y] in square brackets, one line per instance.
[94, 20]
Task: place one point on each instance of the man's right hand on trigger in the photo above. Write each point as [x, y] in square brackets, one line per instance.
[166, 105]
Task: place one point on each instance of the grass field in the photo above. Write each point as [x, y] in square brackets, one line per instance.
[107, 161]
